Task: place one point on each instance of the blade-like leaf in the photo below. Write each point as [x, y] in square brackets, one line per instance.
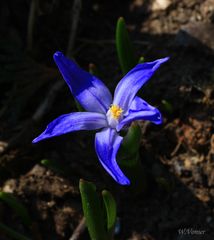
[131, 142]
[129, 159]
[18, 207]
[141, 59]
[167, 106]
[124, 47]
[92, 211]
[12, 233]
[111, 211]
[54, 166]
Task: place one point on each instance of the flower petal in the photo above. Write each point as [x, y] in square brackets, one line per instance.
[140, 110]
[138, 104]
[129, 85]
[107, 143]
[90, 92]
[73, 122]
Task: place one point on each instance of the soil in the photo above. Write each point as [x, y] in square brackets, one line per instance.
[178, 156]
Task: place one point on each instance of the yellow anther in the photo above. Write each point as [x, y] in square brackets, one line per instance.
[116, 111]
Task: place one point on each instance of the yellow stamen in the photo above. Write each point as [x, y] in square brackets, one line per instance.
[116, 111]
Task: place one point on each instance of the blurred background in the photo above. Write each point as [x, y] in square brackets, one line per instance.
[178, 156]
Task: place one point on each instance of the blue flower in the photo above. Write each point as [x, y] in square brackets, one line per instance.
[102, 111]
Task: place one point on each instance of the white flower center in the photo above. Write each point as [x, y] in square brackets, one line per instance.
[114, 115]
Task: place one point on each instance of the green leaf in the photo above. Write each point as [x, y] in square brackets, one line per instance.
[131, 141]
[124, 47]
[54, 166]
[92, 211]
[129, 159]
[141, 59]
[12, 233]
[111, 211]
[167, 106]
[18, 207]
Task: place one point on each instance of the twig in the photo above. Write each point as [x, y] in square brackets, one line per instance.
[31, 21]
[75, 14]
[177, 147]
[79, 230]
[29, 126]
[49, 100]
[50, 97]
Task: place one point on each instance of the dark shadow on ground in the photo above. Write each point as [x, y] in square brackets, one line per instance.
[177, 156]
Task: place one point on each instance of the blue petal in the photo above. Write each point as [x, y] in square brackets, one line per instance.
[140, 110]
[129, 85]
[107, 143]
[90, 92]
[138, 104]
[73, 122]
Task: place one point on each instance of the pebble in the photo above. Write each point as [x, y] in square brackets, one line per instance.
[160, 5]
[9, 186]
[3, 146]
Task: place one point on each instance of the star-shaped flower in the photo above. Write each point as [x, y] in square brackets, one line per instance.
[102, 111]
